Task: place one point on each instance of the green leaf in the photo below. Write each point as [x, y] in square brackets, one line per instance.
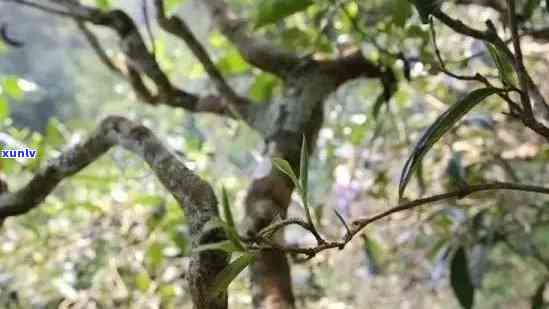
[104, 5]
[505, 68]
[374, 253]
[230, 232]
[263, 87]
[272, 11]
[230, 272]
[304, 169]
[225, 245]
[54, 133]
[180, 238]
[232, 63]
[377, 105]
[4, 108]
[537, 299]
[11, 86]
[461, 280]
[227, 213]
[401, 10]
[170, 6]
[443, 123]
[167, 293]
[304, 178]
[154, 256]
[149, 200]
[529, 8]
[143, 281]
[3, 48]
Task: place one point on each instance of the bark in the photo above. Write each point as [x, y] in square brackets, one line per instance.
[300, 112]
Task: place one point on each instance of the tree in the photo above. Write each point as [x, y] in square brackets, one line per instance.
[289, 122]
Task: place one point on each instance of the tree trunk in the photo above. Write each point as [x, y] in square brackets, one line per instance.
[270, 195]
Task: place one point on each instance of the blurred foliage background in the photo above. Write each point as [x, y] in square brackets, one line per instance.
[112, 237]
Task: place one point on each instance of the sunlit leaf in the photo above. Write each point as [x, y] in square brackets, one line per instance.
[167, 292]
[230, 272]
[4, 108]
[263, 87]
[54, 133]
[149, 200]
[11, 86]
[232, 63]
[143, 281]
[103, 4]
[443, 123]
[272, 11]
[154, 256]
[461, 280]
[170, 6]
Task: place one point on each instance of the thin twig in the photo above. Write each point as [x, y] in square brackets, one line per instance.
[519, 63]
[360, 224]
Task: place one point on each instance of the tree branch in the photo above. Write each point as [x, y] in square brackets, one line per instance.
[138, 59]
[179, 28]
[195, 196]
[256, 51]
[349, 67]
[527, 116]
[359, 224]
[519, 63]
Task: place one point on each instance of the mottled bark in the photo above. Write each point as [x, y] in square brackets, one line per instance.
[194, 195]
[270, 195]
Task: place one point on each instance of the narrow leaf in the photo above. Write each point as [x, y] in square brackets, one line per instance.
[230, 272]
[227, 213]
[230, 232]
[285, 167]
[377, 105]
[304, 169]
[505, 68]
[443, 123]
[272, 11]
[4, 108]
[225, 245]
[461, 280]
